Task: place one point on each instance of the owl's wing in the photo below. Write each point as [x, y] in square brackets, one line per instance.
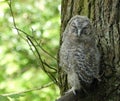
[63, 54]
[84, 65]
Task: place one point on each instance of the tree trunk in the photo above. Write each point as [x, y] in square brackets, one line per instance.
[105, 16]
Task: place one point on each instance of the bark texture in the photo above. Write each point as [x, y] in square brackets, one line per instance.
[105, 16]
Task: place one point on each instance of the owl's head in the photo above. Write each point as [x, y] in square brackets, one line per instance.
[79, 27]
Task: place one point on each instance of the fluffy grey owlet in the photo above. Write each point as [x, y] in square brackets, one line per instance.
[79, 56]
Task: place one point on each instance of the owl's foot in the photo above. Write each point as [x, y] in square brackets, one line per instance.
[71, 90]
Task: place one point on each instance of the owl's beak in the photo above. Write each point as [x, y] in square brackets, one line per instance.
[79, 32]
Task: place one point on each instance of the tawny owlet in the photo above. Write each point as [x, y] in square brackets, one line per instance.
[79, 55]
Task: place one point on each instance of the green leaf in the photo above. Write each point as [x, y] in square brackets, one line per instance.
[16, 95]
[4, 98]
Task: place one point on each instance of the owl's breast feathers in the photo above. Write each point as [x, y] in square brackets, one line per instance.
[80, 59]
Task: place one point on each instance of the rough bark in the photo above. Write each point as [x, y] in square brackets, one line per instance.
[105, 16]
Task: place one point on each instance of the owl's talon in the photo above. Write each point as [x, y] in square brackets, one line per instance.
[71, 90]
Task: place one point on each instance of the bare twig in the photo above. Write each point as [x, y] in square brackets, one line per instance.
[31, 49]
[50, 66]
[29, 90]
[13, 18]
[26, 34]
[43, 48]
[36, 43]
[46, 51]
[10, 6]
[39, 56]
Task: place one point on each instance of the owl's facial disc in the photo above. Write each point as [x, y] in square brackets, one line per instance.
[80, 27]
[84, 28]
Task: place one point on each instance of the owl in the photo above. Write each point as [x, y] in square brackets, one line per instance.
[79, 55]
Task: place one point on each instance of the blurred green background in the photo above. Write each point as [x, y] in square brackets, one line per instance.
[19, 68]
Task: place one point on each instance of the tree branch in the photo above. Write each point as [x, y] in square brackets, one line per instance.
[79, 96]
[29, 90]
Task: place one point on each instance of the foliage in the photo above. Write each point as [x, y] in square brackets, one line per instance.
[19, 68]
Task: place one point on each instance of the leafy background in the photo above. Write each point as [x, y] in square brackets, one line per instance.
[19, 68]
